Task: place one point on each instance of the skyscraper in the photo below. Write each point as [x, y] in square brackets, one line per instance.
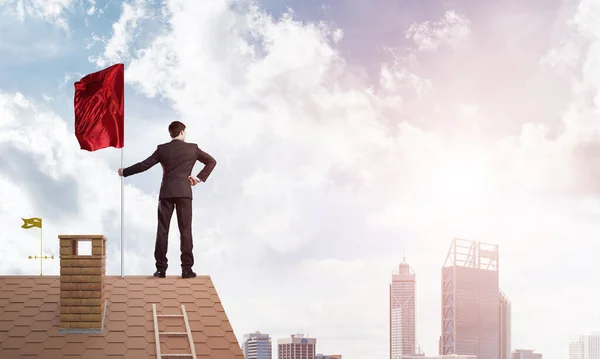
[257, 346]
[471, 300]
[402, 312]
[585, 347]
[525, 354]
[296, 347]
[505, 327]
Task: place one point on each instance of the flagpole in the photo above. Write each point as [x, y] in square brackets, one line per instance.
[41, 260]
[122, 205]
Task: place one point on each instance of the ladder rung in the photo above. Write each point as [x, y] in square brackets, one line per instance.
[170, 315]
[176, 355]
[172, 333]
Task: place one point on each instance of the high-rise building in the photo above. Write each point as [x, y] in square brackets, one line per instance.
[525, 354]
[471, 300]
[257, 346]
[402, 312]
[505, 327]
[585, 347]
[296, 347]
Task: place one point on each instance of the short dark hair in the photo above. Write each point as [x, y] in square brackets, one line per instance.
[175, 128]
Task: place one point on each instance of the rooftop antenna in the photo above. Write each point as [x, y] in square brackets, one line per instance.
[404, 254]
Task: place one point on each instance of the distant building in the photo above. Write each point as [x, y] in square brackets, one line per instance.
[525, 354]
[455, 356]
[585, 347]
[296, 347]
[334, 356]
[402, 312]
[471, 303]
[505, 328]
[257, 346]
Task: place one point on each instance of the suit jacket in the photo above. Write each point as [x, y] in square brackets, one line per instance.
[177, 159]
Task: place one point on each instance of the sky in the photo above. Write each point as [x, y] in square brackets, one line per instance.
[347, 134]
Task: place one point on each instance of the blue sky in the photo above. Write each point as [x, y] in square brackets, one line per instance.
[345, 134]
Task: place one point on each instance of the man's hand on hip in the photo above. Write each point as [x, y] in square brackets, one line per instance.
[193, 180]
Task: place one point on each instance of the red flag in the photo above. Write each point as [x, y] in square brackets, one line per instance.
[99, 105]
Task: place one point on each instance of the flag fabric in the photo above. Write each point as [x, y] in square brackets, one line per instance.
[99, 109]
[31, 222]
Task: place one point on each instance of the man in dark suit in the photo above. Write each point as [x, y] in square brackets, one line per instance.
[177, 159]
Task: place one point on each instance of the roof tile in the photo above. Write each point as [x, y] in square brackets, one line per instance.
[42, 324]
[13, 343]
[136, 303]
[13, 353]
[75, 338]
[94, 353]
[32, 349]
[116, 337]
[73, 348]
[136, 343]
[29, 311]
[37, 337]
[136, 295]
[214, 331]
[96, 342]
[217, 343]
[49, 307]
[212, 321]
[19, 331]
[135, 354]
[222, 354]
[115, 349]
[175, 343]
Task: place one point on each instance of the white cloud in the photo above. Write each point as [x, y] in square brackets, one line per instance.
[117, 47]
[52, 11]
[452, 30]
[92, 9]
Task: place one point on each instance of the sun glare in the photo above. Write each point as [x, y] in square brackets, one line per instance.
[460, 178]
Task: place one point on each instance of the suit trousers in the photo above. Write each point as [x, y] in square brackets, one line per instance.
[183, 206]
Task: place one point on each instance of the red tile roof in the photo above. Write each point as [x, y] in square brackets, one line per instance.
[30, 319]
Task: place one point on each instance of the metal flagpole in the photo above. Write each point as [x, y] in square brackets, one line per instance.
[122, 192]
[41, 260]
[122, 205]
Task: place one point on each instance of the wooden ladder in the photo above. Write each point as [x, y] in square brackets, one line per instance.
[188, 332]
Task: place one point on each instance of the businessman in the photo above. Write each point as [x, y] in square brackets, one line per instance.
[177, 159]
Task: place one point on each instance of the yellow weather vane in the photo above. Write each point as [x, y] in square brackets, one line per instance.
[36, 222]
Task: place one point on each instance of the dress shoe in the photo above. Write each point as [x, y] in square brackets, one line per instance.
[189, 274]
[159, 274]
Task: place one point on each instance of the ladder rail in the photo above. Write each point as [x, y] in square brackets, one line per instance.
[156, 334]
[189, 331]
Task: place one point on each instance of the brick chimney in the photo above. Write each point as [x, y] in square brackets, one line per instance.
[82, 282]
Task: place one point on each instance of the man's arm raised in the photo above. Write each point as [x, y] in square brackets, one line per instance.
[140, 166]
